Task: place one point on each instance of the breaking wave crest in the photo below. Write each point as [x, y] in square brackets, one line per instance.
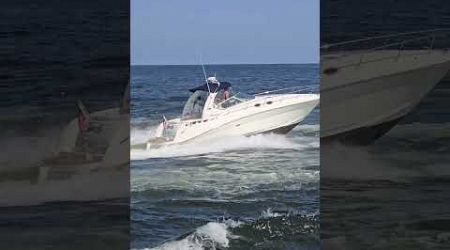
[266, 230]
[213, 235]
[141, 134]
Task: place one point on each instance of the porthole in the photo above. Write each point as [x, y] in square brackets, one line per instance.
[257, 105]
[269, 102]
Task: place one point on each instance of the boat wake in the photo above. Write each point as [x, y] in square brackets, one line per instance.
[139, 134]
[240, 143]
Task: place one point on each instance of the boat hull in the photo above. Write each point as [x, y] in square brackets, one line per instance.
[269, 114]
[276, 120]
[361, 111]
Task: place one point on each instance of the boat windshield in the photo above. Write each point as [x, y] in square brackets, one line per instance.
[235, 99]
[193, 108]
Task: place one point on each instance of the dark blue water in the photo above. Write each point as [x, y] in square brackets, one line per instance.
[259, 192]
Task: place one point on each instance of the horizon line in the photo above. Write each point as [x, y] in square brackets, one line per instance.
[224, 64]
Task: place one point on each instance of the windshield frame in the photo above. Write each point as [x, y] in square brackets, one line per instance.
[193, 108]
[235, 97]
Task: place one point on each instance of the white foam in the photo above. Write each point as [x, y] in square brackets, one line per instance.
[211, 236]
[268, 213]
[141, 135]
[308, 128]
[222, 145]
[179, 245]
[245, 172]
[216, 232]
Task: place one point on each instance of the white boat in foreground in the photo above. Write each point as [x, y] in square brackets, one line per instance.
[211, 113]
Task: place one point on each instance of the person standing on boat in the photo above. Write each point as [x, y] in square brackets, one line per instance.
[213, 83]
[214, 86]
[226, 93]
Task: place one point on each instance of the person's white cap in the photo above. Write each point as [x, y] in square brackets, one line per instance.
[212, 79]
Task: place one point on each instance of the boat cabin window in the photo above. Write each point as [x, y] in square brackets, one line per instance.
[235, 99]
[230, 102]
[193, 108]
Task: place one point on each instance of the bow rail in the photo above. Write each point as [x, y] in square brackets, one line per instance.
[290, 90]
[415, 43]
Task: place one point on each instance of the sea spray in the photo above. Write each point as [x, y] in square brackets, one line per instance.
[263, 141]
[212, 236]
[141, 134]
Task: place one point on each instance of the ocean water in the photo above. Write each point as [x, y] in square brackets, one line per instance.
[258, 192]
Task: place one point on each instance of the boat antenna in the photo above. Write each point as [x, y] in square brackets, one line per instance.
[204, 74]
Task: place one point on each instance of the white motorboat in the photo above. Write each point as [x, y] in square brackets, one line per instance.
[212, 112]
[366, 92]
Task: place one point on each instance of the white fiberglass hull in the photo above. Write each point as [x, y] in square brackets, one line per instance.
[275, 120]
[375, 95]
[275, 113]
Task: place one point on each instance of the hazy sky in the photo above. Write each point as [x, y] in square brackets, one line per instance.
[224, 31]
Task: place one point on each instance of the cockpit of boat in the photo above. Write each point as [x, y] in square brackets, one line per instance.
[224, 98]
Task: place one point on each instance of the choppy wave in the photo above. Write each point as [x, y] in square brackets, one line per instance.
[235, 183]
[308, 128]
[141, 134]
[264, 231]
[213, 235]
